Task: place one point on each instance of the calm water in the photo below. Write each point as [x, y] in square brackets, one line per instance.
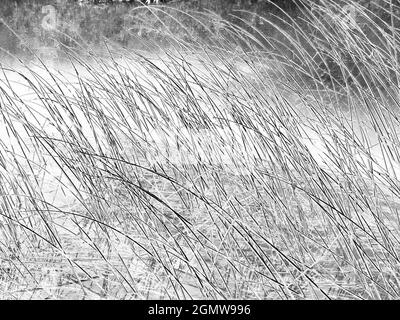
[37, 24]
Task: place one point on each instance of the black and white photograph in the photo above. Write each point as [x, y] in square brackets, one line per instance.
[199, 150]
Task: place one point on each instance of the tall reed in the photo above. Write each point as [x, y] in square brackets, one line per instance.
[254, 165]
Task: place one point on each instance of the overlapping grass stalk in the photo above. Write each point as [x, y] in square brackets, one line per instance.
[264, 165]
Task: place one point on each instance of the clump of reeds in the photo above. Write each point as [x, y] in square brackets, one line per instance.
[269, 171]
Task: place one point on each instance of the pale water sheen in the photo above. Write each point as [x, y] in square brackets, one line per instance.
[231, 146]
